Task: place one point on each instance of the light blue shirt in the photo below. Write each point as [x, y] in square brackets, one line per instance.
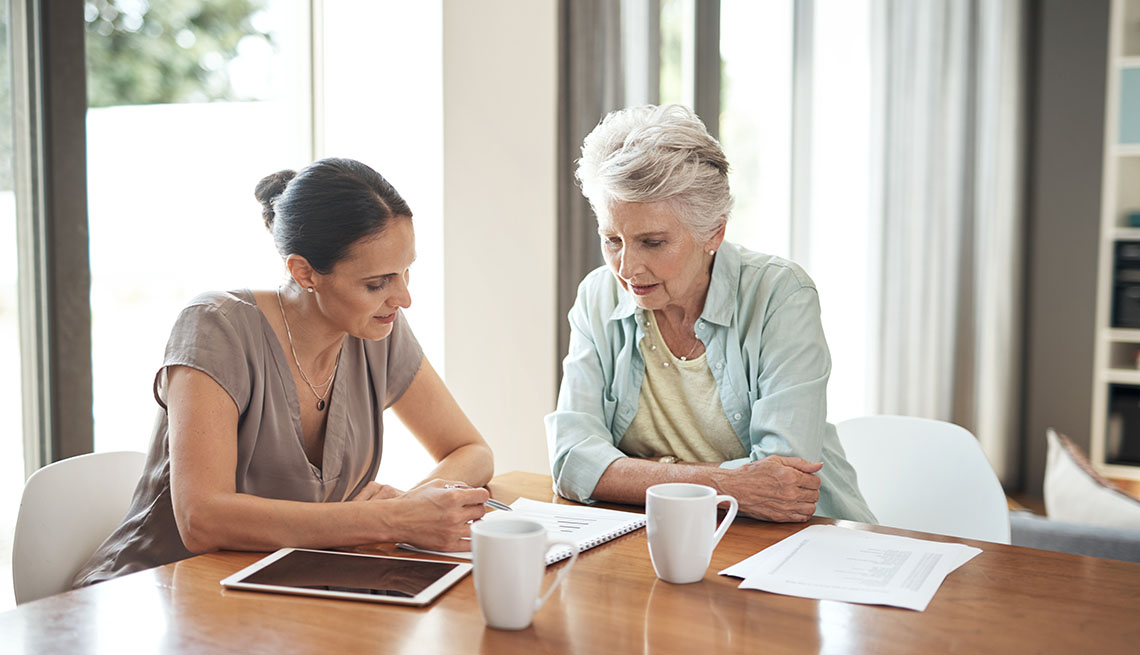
[765, 347]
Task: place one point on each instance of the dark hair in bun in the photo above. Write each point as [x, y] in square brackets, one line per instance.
[267, 191]
[329, 205]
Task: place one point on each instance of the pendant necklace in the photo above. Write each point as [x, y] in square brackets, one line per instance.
[685, 358]
[327, 385]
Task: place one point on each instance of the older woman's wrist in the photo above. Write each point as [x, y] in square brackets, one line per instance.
[717, 478]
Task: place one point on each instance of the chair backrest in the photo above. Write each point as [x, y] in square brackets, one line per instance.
[68, 508]
[922, 474]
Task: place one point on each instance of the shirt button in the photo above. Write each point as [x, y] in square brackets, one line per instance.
[736, 416]
[719, 365]
[701, 324]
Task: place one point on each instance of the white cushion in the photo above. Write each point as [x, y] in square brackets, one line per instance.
[1074, 492]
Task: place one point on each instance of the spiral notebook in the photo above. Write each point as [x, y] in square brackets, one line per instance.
[585, 526]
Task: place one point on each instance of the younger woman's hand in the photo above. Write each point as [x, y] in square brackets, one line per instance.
[377, 491]
[436, 515]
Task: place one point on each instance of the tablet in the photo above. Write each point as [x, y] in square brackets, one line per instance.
[350, 576]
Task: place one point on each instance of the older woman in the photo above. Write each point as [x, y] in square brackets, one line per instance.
[691, 359]
[272, 401]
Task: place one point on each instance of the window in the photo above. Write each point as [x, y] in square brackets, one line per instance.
[780, 139]
[839, 249]
[755, 120]
[190, 104]
[382, 93]
[11, 401]
[172, 165]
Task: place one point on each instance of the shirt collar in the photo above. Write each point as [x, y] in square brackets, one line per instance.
[720, 303]
[625, 306]
[721, 299]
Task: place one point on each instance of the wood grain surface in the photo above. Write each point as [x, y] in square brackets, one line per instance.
[1006, 600]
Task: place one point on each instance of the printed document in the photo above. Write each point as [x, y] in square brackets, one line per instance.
[829, 562]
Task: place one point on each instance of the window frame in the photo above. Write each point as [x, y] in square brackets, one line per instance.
[49, 95]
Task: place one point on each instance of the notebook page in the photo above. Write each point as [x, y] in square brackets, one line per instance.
[585, 526]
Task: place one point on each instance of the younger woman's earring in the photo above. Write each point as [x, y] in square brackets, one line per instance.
[712, 252]
[310, 289]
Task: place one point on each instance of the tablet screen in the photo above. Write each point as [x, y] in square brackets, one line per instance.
[330, 573]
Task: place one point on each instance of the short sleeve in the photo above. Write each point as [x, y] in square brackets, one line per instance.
[215, 338]
[404, 359]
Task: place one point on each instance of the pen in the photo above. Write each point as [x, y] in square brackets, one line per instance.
[491, 502]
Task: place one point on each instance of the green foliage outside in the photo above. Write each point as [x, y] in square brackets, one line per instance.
[164, 51]
[146, 52]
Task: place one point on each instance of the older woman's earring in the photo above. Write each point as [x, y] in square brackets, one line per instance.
[310, 289]
[711, 253]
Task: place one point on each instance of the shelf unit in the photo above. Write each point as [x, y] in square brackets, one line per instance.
[1115, 443]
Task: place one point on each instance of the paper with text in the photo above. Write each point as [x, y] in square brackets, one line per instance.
[830, 562]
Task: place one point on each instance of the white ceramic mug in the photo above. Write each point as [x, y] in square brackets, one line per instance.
[510, 561]
[682, 530]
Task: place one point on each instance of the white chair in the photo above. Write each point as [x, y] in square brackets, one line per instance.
[68, 508]
[922, 474]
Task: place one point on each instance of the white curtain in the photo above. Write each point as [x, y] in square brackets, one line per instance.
[946, 76]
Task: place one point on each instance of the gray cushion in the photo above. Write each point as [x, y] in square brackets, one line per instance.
[1033, 531]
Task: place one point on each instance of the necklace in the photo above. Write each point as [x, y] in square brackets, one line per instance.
[685, 358]
[327, 384]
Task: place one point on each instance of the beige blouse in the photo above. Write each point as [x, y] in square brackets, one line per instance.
[226, 336]
[679, 411]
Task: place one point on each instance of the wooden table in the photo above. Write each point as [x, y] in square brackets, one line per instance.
[1006, 600]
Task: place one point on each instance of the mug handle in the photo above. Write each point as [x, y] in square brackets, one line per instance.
[728, 517]
[561, 574]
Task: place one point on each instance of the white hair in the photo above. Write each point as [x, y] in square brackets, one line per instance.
[652, 154]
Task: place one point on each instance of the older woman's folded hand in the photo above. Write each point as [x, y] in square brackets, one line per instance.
[776, 488]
